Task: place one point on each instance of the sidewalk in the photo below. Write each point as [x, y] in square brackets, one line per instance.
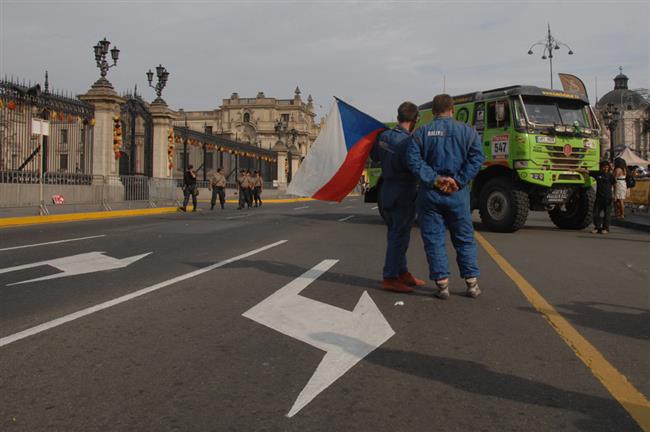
[21, 216]
[639, 220]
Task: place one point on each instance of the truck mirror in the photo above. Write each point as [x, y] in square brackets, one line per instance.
[500, 109]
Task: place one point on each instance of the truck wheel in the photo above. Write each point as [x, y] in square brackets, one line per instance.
[502, 205]
[578, 213]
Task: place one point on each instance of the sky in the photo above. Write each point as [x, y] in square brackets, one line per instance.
[372, 54]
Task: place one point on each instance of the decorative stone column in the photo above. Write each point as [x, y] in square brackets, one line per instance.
[281, 152]
[162, 124]
[295, 160]
[107, 105]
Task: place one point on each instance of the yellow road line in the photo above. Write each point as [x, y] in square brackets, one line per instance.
[616, 383]
[72, 217]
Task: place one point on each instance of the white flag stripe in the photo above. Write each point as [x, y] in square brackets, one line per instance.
[325, 157]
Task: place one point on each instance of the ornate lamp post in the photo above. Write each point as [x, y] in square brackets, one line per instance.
[550, 44]
[611, 115]
[293, 133]
[162, 75]
[101, 51]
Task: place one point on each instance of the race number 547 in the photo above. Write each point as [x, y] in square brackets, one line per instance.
[500, 147]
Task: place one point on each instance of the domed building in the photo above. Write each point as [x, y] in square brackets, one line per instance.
[632, 129]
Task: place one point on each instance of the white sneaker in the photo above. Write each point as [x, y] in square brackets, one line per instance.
[443, 289]
[473, 290]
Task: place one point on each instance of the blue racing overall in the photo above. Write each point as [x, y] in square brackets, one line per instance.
[445, 147]
[397, 197]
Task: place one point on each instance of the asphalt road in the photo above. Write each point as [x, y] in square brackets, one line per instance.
[182, 357]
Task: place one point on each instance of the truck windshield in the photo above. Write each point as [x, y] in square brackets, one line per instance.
[549, 111]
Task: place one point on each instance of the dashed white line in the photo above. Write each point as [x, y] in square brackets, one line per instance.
[374, 208]
[52, 242]
[301, 208]
[346, 218]
[90, 310]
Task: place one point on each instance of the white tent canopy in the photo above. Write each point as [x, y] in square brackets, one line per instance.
[631, 159]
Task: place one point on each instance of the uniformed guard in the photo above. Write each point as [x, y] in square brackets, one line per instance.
[189, 188]
[397, 198]
[258, 182]
[241, 179]
[217, 185]
[446, 155]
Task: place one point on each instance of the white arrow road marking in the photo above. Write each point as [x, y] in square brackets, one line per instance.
[301, 208]
[77, 264]
[110, 303]
[374, 208]
[346, 337]
[346, 218]
[52, 242]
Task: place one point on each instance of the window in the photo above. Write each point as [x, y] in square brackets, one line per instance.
[64, 136]
[479, 116]
[498, 113]
[179, 161]
[247, 117]
[208, 129]
[209, 161]
[63, 162]
[285, 118]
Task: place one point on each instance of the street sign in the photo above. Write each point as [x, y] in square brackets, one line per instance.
[346, 337]
[76, 265]
[40, 127]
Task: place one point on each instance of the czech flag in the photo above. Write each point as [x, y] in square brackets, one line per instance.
[332, 167]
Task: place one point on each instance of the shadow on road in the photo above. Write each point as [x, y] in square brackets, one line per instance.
[291, 270]
[364, 219]
[616, 319]
[472, 377]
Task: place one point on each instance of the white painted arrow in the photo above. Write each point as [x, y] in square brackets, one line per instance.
[77, 264]
[346, 337]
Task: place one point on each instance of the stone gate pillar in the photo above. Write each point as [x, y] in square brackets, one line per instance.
[107, 105]
[281, 152]
[162, 125]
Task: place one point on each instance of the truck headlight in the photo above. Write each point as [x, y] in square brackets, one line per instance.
[538, 176]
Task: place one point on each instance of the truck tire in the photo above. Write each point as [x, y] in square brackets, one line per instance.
[579, 211]
[503, 206]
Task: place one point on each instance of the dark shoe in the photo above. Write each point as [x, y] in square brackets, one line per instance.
[410, 280]
[182, 209]
[394, 284]
[211, 207]
[194, 209]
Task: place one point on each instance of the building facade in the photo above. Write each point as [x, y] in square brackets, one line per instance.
[254, 121]
[632, 130]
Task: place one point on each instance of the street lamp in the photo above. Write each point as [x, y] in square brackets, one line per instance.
[101, 51]
[611, 115]
[162, 75]
[550, 44]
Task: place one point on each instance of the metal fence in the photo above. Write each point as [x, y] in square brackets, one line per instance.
[65, 149]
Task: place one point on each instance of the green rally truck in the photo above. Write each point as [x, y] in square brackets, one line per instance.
[540, 145]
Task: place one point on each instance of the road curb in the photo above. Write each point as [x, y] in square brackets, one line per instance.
[9, 222]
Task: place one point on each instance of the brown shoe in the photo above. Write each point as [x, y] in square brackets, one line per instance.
[394, 284]
[410, 280]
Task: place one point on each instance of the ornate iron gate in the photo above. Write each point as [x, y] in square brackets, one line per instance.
[137, 138]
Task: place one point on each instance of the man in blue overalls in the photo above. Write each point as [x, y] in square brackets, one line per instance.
[397, 198]
[446, 155]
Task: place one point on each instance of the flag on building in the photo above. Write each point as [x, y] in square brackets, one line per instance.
[332, 167]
